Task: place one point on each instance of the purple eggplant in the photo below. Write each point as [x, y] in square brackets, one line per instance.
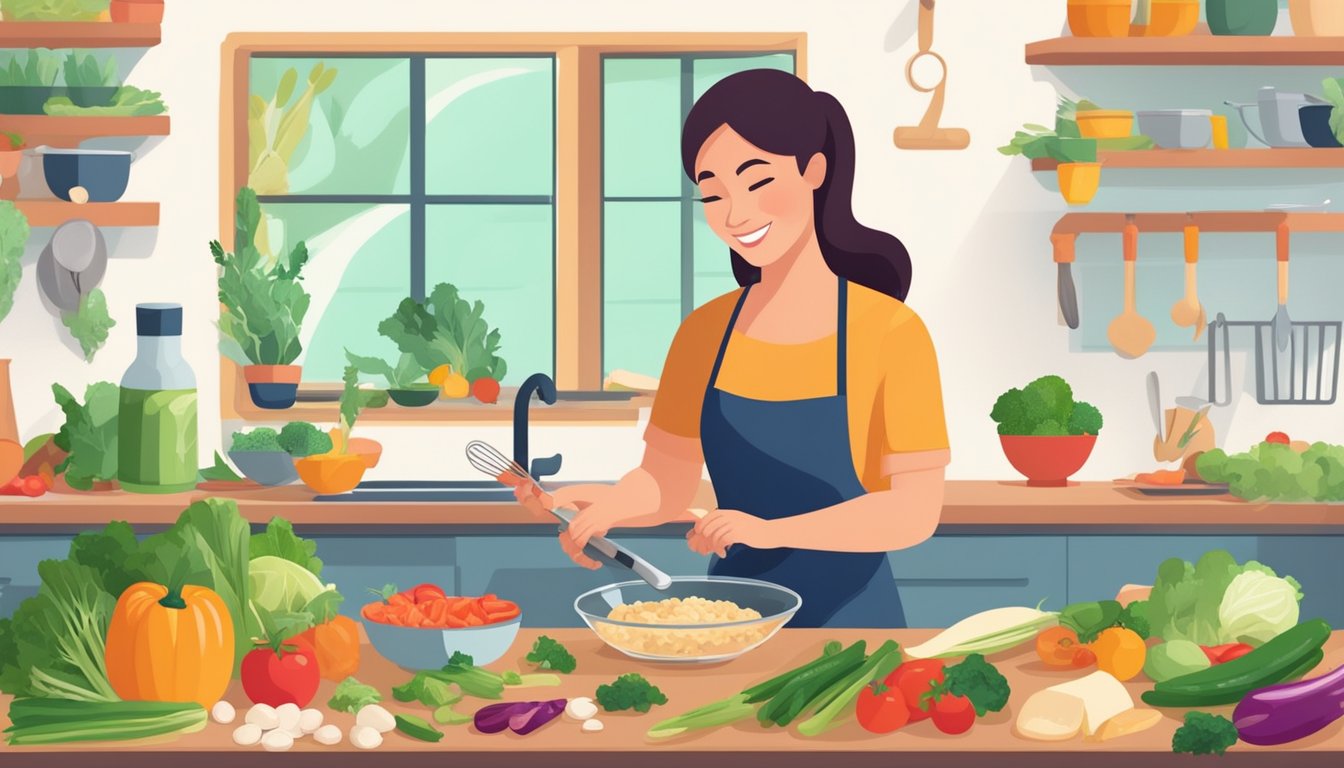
[1290, 711]
[542, 713]
[521, 717]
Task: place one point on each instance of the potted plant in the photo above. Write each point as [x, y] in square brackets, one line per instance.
[264, 306]
[1078, 171]
[405, 383]
[11, 157]
[449, 337]
[340, 469]
[25, 86]
[137, 11]
[1045, 433]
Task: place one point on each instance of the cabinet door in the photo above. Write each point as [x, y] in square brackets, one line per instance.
[19, 556]
[1100, 565]
[1316, 564]
[949, 578]
[356, 564]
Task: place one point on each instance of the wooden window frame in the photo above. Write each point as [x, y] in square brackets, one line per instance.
[577, 201]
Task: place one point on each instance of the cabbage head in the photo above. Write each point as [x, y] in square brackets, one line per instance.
[1258, 605]
[278, 585]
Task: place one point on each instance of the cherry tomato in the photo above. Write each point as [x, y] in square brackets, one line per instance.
[290, 676]
[426, 593]
[1277, 437]
[881, 712]
[953, 714]
[914, 679]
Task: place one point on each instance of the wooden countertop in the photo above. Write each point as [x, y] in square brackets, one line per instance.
[623, 742]
[971, 507]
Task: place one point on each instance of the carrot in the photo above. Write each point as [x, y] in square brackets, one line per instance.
[505, 615]
[1162, 477]
[454, 622]
[477, 610]
[475, 621]
[437, 611]
[423, 593]
[461, 607]
[399, 599]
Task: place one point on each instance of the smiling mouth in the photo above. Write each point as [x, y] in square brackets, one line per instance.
[753, 238]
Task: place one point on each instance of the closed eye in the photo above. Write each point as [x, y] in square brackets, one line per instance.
[760, 183]
[711, 199]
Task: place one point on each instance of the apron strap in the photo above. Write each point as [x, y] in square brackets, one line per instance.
[727, 333]
[841, 338]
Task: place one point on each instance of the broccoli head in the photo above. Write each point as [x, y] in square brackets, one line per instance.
[1085, 420]
[1010, 413]
[258, 440]
[1049, 397]
[299, 439]
[1048, 428]
[1204, 734]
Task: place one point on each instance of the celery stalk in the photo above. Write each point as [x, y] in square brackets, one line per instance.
[886, 658]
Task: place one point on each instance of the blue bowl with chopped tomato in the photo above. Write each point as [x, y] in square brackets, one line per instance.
[431, 644]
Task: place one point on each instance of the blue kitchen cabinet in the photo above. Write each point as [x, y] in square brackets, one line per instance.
[19, 556]
[356, 564]
[1100, 565]
[949, 578]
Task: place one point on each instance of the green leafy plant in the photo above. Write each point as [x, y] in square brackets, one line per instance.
[1045, 408]
[275, 128]
[90, 323]
[53, 10]
[1275, 472]
[129, 101]
[1064, 143]
[351, 696]
[1333, 88]
[39, 69]
[1197, 601]
[13, 239]
[406, 373]
[89, 434]
[352, 402]
[82, 70]
[446, 329]
[264, 302]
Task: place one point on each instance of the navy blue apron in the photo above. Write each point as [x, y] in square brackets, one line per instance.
[775, 459]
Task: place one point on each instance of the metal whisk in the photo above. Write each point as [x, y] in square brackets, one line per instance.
[489, 460]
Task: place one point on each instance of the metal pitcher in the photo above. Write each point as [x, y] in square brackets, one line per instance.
[1278, 116]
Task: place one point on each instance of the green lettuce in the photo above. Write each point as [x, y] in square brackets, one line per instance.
[13, 239]
[1196, 601]
[1258, 605]
[89, 434]
[90, 323]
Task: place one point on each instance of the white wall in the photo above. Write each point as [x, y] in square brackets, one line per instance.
[975, 221]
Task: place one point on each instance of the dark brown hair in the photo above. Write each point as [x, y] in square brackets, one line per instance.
[782, 115]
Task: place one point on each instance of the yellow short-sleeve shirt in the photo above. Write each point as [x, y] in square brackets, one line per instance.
[895, 396]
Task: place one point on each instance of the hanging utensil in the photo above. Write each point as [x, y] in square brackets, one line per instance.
[1283, 326]
[1218, 332]
[1187, 311]
[487, 459]
[1155, 402]
[1068, 293]
[1131, 334]
[929, 134]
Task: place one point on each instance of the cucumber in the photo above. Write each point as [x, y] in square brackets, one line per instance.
[1295, 652]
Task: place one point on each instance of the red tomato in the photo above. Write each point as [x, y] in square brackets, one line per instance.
[1236, 651]
[914, 679]
[953, 714]
[881, 712]
[292, 676]
[425, 593]
[1277, 437]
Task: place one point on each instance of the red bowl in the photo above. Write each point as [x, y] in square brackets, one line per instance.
[1047, 462]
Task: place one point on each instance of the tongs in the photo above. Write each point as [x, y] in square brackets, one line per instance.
[488, 459]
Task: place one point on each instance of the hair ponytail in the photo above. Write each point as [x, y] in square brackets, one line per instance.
[780, 114]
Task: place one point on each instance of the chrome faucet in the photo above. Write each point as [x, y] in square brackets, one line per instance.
[544, 387]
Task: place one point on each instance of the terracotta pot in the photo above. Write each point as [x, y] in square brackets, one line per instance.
[273, 386]
[137, 11]
[1047, 462]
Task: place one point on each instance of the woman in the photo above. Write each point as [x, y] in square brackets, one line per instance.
[811, 394]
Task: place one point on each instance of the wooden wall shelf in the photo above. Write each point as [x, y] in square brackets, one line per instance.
[70, 131]
[1189, 159]
[77, 34]
[1207, 221]
[1191, 50]
[53, 213]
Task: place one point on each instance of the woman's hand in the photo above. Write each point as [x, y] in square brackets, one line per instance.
[599, 509]
[722, 528]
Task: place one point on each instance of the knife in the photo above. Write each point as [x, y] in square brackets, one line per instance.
[1155, 403]
[1068, 293]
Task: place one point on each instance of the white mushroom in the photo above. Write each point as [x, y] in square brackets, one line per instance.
[223, 712]
[263, 716]
[375, 717]
[310, 720]
[278, 740]
[581, 708]
[329, 735]
[246, 735]
[287, 716]
[365, 737]
[592, 726]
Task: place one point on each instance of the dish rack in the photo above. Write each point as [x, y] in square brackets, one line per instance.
[1304, 373]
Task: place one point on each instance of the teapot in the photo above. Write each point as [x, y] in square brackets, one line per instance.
[1278, 116]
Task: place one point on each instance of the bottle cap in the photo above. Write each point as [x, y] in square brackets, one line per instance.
[158, 319]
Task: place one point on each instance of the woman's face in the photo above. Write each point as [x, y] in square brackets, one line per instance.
[756, 202]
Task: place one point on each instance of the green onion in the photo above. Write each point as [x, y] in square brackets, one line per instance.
[886, 658]
[57, 721]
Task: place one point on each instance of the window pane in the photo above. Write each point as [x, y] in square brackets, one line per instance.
[359, 270]
[713, 265]
[711, 70]
[641, 284]
[502, 255]
[345, 133]
[641, 127]
[490, 126]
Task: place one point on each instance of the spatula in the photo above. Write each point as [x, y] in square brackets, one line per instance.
[1187, 311]
[1131, 335]
[1282, 325]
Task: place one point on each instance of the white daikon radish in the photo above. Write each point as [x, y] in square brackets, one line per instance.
[1078, 706]
[987, 632]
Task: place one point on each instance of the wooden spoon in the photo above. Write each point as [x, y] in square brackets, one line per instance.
[1187, 311]
[1130, 334]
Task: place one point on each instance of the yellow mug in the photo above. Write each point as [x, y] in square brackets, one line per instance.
[1219, 131]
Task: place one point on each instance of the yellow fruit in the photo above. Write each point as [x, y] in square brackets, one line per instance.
[455, 386]
[440, 374]
[1120, 652]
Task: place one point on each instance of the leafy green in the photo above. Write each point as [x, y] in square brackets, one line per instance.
[629, 691]
[90, 323]
[1204, 734]
[428, 690]
[979, 681]
[89, 434]
[53, 10]
[1045, 407]
[447, 329]
[550, 654]
[1135, 617]
[264, 302]
[282, 586]
[406, 372]
[279, 540]
[219, 472]
[352, 402]
[1192, 601]
[261, 439]
[82, 70]
[351, 695]
[1275, 472]
[13, 239]
[1258, 605]
[128, 101]
[300, 439]
[41, 68]
[1333, 89]
[1090, 618]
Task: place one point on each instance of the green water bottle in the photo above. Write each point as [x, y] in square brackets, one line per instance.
[156, 430]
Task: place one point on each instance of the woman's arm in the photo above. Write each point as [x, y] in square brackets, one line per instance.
[901, 517]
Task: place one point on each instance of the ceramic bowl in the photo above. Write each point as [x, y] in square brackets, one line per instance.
[104, 173]
[1047, 462]
[327, 474]
[1177, 128]
[416, 648]
[414, 397]
[265, 467]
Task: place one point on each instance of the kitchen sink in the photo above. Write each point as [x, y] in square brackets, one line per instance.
[442, 491]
